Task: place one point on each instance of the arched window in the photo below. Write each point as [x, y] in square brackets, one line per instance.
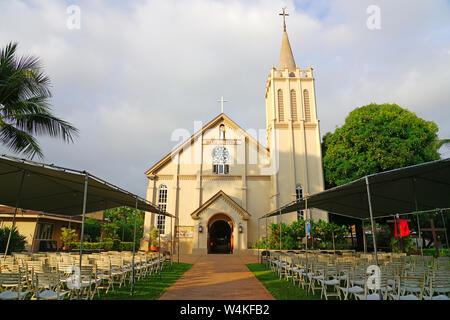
[222, 131]
[162, 205]
[294, 105]
[298, 196]
[221, 160]
[307, 107]
[280, 105]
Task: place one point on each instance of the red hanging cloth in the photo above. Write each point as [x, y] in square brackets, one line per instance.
[404, 229]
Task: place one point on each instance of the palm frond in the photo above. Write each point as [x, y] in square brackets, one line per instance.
[24, 104]
[442, 142]
[19, 141]
[45, 123]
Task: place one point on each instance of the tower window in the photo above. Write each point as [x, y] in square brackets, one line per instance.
[280, 105]
[162, 205]
[298, 196]
[220, 160]
[294, 105]
[307, 106]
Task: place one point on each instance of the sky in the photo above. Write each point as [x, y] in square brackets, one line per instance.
[136, 71]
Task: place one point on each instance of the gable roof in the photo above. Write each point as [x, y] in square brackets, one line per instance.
[211, 124]
[245, 215]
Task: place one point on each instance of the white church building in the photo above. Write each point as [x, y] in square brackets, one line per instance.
[221, 180]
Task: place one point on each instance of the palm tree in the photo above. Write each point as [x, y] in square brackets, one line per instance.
[24, 104]
[442, 142]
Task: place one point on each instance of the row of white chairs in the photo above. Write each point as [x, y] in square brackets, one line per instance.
[55, 276]
[347, 277]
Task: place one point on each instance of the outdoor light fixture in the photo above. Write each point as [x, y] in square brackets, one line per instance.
[241, 229]
[200, 228]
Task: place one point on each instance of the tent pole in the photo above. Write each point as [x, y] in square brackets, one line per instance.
[86, 178]
[178, 238]
[15, 212]
[171, 242]
[267, 239]
[134, 247]
[257, 242]
[306, 227]
[372, 220]
[364, 237]
[332, 234]
[159, 251]
[443, 221]
[417, 216]
[280, 229]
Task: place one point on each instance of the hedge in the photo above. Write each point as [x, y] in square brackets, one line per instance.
[111, 245]
[432, 252]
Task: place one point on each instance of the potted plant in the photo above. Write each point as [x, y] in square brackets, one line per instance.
[153, 239]
[67, 237]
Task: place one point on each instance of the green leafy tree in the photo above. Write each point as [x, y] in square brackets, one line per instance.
[109, 230]
[121, 224]
[17, 242]
[24, 104]
[377, 138]
[92, 229]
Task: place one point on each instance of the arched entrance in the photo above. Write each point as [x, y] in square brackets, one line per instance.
[220, 234]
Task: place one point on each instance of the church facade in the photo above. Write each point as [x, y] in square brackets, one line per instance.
[221, 181]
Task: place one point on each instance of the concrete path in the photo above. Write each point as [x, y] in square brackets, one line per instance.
[218, 277]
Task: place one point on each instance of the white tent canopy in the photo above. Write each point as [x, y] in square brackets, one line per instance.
[420, 187]
[52, 189]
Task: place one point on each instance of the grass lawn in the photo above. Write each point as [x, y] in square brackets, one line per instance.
[280, 288]
[150, 288]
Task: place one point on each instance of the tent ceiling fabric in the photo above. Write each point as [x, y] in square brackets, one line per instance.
[391, 192]
[58, 190]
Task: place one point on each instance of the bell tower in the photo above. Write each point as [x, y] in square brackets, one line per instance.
[293, 131]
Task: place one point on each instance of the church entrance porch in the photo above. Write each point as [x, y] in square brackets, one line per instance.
[220, 234]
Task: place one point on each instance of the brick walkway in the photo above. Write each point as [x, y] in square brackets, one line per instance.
[218, 277]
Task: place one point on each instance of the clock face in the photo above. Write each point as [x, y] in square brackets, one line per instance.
[221, 155]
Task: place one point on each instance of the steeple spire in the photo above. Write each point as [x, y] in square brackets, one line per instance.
[286, 57]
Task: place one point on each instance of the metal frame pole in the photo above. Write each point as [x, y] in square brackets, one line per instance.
[257, 242]
[443, 221]
[134, 247]
[372, 220]
[267, 240]
[159, 252]
[306, 229]
[178, 238]
[15, 213]
[171, 242]
[364, 237]
[422, 242]
[280, 228]
[86, 179]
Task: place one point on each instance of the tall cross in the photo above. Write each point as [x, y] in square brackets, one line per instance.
[433, 231]
[221, 103]
[284, 14]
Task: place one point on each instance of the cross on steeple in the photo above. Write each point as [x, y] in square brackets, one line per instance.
[221, 103]
[284, 14]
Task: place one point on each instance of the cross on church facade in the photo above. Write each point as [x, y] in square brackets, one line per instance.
[284, 14]
[433, 231]
[221, 103]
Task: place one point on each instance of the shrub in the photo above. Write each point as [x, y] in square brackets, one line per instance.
[17, 242]
[67, 236]
[432, 252]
